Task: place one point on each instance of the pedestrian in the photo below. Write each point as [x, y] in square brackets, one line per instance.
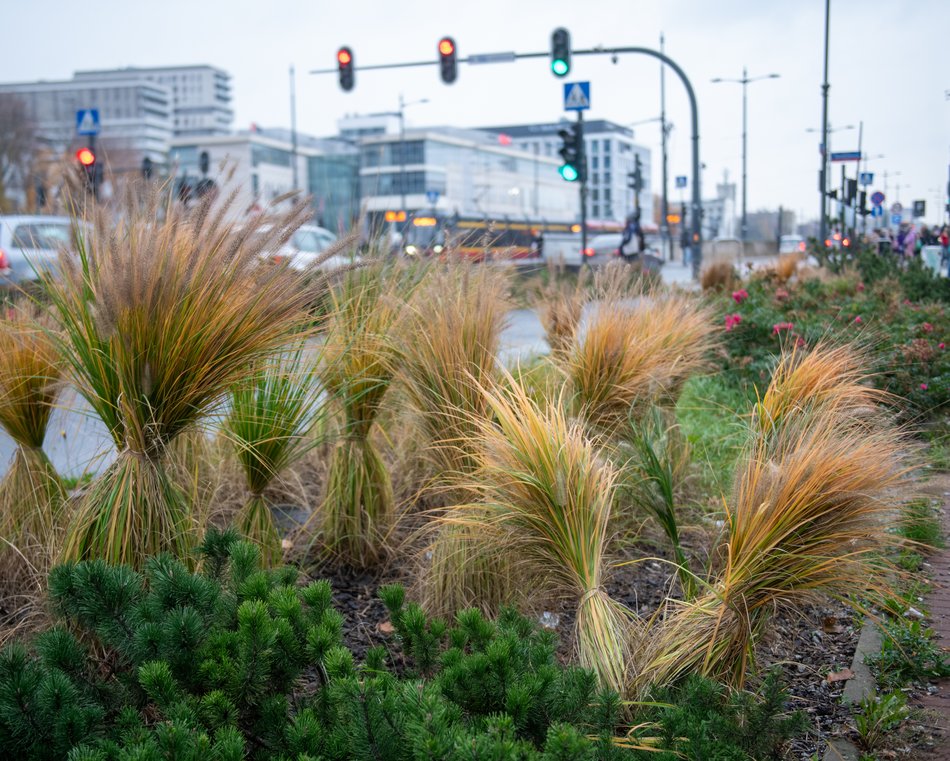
[910, 243]
[944, 242]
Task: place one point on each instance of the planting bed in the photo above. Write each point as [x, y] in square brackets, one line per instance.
[806, 646]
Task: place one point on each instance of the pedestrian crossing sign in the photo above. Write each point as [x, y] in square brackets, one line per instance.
[576, 96]
[87, 121]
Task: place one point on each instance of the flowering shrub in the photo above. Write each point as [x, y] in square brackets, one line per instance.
[905, 338]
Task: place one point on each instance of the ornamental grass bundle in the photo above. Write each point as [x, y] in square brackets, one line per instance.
[357, 370]
[559, 304]
[814, 498]
[270, 424]
[542, 498]
[635, 354]
[161, 312]
[448, 354]
[31, 493]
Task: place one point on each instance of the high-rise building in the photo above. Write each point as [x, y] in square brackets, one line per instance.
[135, 116]
[200, 95]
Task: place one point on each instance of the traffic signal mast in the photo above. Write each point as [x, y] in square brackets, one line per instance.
[636, 182]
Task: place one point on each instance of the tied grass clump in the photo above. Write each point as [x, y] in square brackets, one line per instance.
[542, 499]
[560, 304]
[813, 500]
[356, 371]
[447, 354]
[634, 353]
[162, 311]
[269, 423]
[31, 493]
[238, 662]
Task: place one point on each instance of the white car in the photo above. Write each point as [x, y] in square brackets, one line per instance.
[306, 246]
[791, 244]
[30, 244]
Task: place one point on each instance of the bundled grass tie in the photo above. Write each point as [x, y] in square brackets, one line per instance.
[162, 311]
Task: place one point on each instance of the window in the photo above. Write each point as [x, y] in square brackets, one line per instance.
[595, 210]
[606, 162]
[594, 145]
[596, 178]
[606, 146]
[593, 162]
[606, 178]
[595, 194]
[606, 194]
[44, 236]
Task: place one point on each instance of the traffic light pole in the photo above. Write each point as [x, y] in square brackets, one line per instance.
[508, 57]
[582, 165]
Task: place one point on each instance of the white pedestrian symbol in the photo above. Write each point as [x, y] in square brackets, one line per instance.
[87, 123]
[576, 98]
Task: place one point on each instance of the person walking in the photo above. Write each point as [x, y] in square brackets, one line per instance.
[943, 240]
[910, 243]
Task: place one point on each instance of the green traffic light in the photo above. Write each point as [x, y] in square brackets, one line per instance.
[559, 67]
[569, 172]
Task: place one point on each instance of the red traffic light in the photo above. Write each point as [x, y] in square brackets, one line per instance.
[446, 46]
[344, 61]
[344, 56]
[86, 157]
[447, 63]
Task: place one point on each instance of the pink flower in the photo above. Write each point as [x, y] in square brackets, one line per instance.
[906, 302]
[928, 328]
[941, 345]
[860, 287]
[923, 386]
[732, 320]
[780, 326]
[739, 296]
[799, 341]
[781, 294]
[858, 320]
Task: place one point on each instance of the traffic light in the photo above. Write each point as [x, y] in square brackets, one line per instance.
[851, 191]
[572, 151]
[561, 52]
[88, 169]
[447, 64]
[344, 60]
[636, 176]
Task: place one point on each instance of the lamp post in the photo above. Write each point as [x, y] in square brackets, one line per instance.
[402, 148]
[744, 81]
[826, 131]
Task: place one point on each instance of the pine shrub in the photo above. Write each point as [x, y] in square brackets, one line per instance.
[237, 662]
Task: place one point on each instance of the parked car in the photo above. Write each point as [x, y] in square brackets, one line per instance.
[791, 244]
[605, 248]
[305, 247]
[30, 244]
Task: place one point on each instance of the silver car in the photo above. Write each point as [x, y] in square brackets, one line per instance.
[29, 245]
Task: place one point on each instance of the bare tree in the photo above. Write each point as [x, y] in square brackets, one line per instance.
[18, 147]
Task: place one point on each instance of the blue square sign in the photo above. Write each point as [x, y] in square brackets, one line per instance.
[87, 121]
[576, 96]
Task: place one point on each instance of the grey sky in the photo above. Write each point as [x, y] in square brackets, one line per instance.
[889, 68]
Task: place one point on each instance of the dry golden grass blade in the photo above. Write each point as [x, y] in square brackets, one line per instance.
[542, 499]
[718, 275]
[815, 498]
[635, 354]
[159, 314]
[559, 304]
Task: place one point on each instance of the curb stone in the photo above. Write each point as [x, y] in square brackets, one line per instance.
[860, 686]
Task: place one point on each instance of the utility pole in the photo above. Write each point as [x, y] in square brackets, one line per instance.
[664, 134]
[823, 176]
[293, 127]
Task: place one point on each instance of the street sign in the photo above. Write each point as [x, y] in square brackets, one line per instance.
[895, 219]
[576, 96]
[896, 208]
[877, 211]
[87, 121]
[492, 58]
[877, 198]
[432, 196]
[920, 209]
[866, 178]
[681, 181]
[846, 156]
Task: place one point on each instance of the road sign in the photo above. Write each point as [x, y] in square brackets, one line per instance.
[87, 121]
[846, 156]
[877, 211]
[896, 208]
[895, 219]
[681, 181]
[866, 178]
[492, 58]
[877, 198]
[432, 196]
[576, 96]
[920, 209]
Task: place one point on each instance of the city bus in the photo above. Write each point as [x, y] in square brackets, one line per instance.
[479, 238]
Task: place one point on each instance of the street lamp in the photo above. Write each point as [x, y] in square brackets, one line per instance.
[402, 147]
[744, 81]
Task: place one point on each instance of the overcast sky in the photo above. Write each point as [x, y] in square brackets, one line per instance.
[888, 68]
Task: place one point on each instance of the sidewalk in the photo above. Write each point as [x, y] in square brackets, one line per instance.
[937, 603]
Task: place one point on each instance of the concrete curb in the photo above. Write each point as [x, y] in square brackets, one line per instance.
[860, 686]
